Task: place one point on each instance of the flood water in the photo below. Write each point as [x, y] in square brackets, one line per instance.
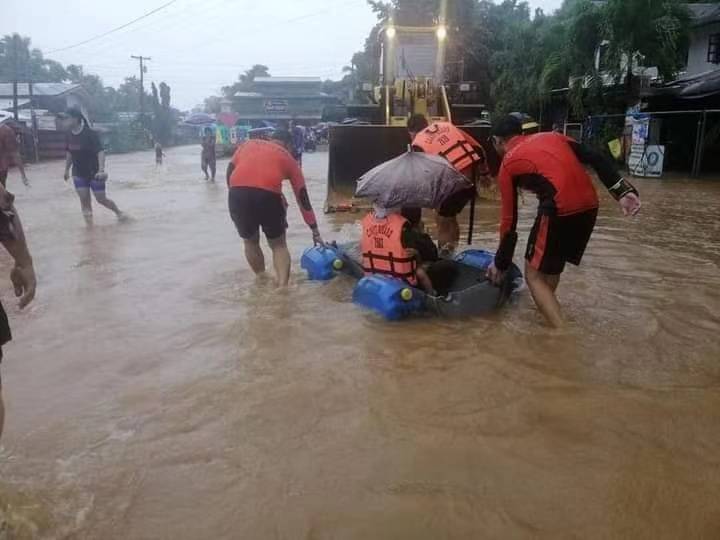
[155, 391]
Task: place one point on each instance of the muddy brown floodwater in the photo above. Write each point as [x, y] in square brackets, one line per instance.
[154, 391]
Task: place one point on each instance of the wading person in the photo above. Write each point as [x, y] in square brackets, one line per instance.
[208, 160]
[22, 275]
[465, 155]
[255, 175]
[550, 165]
[86, 157]
[298, 136]
[10, 152]
[159, 154]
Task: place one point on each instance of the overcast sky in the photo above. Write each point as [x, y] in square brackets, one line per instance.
[197, 46]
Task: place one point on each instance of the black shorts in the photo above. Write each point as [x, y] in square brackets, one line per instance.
[556, 240]
[252, 208]
[3, 177]
[456, 202]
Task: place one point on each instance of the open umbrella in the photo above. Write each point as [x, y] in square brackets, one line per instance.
[412, 179]
[199, 119]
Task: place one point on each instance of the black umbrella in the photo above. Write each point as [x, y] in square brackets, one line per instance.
[412, 179]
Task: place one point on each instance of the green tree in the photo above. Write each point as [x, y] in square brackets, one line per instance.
[245, 80]
[646, 32]
[211, 104]
[18, 60]
[100, 105]
[164, 117]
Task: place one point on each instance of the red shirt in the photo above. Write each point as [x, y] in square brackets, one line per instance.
[546, 165]
[8, 147]
[264, 165]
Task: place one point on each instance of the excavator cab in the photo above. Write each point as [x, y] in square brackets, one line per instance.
[412, 71]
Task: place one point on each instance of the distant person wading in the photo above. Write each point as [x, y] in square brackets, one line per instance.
[10, 152]
[208, 160]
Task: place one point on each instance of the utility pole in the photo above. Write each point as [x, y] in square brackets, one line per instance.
[15, 39]
[142, 59]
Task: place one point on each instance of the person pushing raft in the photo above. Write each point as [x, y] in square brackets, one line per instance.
[255, 200]
[551, 166]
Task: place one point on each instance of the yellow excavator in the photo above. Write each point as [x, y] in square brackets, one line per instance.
[412, 81]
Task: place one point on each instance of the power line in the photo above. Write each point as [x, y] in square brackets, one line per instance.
[144, 16]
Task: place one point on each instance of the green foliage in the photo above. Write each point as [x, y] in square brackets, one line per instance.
[650, 32]
[127, 136]
[19, 61]
[245, 80]
[164, 118]
[212, 104]
[518, 57]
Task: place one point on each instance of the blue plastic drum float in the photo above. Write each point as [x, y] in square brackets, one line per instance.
[462, 288]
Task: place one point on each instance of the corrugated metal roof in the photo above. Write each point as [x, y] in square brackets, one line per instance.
[39, 89]
[704, 13]
[7, 104]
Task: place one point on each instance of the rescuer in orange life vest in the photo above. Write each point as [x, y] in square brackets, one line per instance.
[466, 155]
[393, 244]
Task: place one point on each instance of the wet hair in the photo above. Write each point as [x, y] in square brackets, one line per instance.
[507, 127]
[417, 122]
[283, 136]
[412, 214]
[74, 112]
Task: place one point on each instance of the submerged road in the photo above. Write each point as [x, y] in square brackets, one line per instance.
[155, 391]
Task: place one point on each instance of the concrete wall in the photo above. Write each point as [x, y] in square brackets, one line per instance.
[697, 57]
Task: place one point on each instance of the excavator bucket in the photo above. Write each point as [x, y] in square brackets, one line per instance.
[354, 150]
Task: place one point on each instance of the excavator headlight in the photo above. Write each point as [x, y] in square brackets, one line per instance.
[441, 33]
[390, 32]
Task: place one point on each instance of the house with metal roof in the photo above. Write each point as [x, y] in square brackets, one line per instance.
[278, 99]
[52, 97]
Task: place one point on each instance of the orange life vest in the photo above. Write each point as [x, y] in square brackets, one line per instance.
[446, 140]
[382, 249]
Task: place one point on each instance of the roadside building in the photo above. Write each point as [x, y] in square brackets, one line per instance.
[682, 124]
[281, 99]
[38, 106]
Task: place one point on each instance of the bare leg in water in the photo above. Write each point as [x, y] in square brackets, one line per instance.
[254, 255]
[204, 167]
[542, 287]
[281, 259]
[448, 231]
[102, 199]
[424, 281]
[212, 164]
[85, 203]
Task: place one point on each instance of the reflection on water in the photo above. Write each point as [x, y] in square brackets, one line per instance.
[157, 390]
